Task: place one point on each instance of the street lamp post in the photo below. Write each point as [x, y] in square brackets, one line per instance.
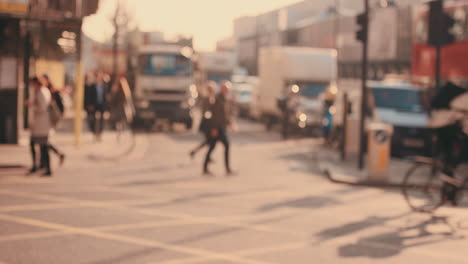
[336, 26]
[115, 42]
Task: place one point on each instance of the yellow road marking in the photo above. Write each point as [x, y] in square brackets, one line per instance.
[156, 212]
[272, 248]
[34, 207]
[142, 225]
[111, 228]
[36, 235]
[127, 239]
[184, 261]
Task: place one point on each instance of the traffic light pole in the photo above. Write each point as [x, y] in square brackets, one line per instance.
[436, 91]
[437, 68]
[79, 90]
[364, 89]
[436, 36]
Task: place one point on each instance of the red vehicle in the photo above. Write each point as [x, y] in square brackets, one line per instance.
[454, 57]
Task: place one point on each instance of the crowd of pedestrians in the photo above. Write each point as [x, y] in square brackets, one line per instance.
[104, 98]
[46, 108]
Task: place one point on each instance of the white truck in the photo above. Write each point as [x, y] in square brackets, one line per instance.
[164, 84]
[312, 70]
[400, 103]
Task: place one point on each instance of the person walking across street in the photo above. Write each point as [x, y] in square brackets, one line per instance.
[40, 125]
[206, 113]
[220, 120]
[56, 99]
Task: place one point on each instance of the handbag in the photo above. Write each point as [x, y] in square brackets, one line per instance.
[54, 113]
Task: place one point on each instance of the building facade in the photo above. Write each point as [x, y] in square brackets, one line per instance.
[332, 24]
[37, 37]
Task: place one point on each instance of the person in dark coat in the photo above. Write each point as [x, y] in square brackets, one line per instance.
[90, 101]
[220, 120]
[96, 102]
[206, 117]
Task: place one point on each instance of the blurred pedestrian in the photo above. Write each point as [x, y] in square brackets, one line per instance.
[289, 106]
[56, 99]
[96, 102]
[90, 101]
[40, 124]
[327, 122]
[206, 106]
[121, 105]
[220, 120]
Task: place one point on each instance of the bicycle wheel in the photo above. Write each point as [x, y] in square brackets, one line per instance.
[422, 189]
[461, 197]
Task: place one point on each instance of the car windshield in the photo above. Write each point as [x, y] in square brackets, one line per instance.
[245, 93]
[309, 89]
[164, 65]
[398, 99]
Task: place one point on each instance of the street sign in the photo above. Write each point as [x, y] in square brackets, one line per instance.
[14, 6]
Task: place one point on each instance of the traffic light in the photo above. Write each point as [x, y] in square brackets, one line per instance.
[363, 23]
[440, 25]
[448, 23]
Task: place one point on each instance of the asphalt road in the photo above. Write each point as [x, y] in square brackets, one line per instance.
[152, 205]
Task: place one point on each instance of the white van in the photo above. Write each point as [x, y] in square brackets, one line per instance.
[405, 106]
[401, 104]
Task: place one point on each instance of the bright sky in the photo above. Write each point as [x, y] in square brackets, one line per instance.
[207, 20]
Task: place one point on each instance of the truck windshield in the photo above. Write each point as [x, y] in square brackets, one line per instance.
[164, 64]
[310, 89]
[219, 76]
[398, 99]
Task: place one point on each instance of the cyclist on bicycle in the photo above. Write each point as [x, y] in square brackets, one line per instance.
[449, 118]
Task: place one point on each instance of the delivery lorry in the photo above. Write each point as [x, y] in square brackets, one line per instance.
[165, 84]
[311, 71]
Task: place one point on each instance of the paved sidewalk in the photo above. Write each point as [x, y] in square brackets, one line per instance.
[112, 147]
[329, 161]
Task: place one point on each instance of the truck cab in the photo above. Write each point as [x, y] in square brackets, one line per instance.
[164, 84]
[214, 66]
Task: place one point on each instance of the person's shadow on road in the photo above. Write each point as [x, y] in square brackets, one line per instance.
[392, 243]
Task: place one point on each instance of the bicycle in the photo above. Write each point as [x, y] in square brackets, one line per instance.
[431, 183]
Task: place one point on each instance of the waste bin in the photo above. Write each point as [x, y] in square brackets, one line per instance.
[378, 151]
